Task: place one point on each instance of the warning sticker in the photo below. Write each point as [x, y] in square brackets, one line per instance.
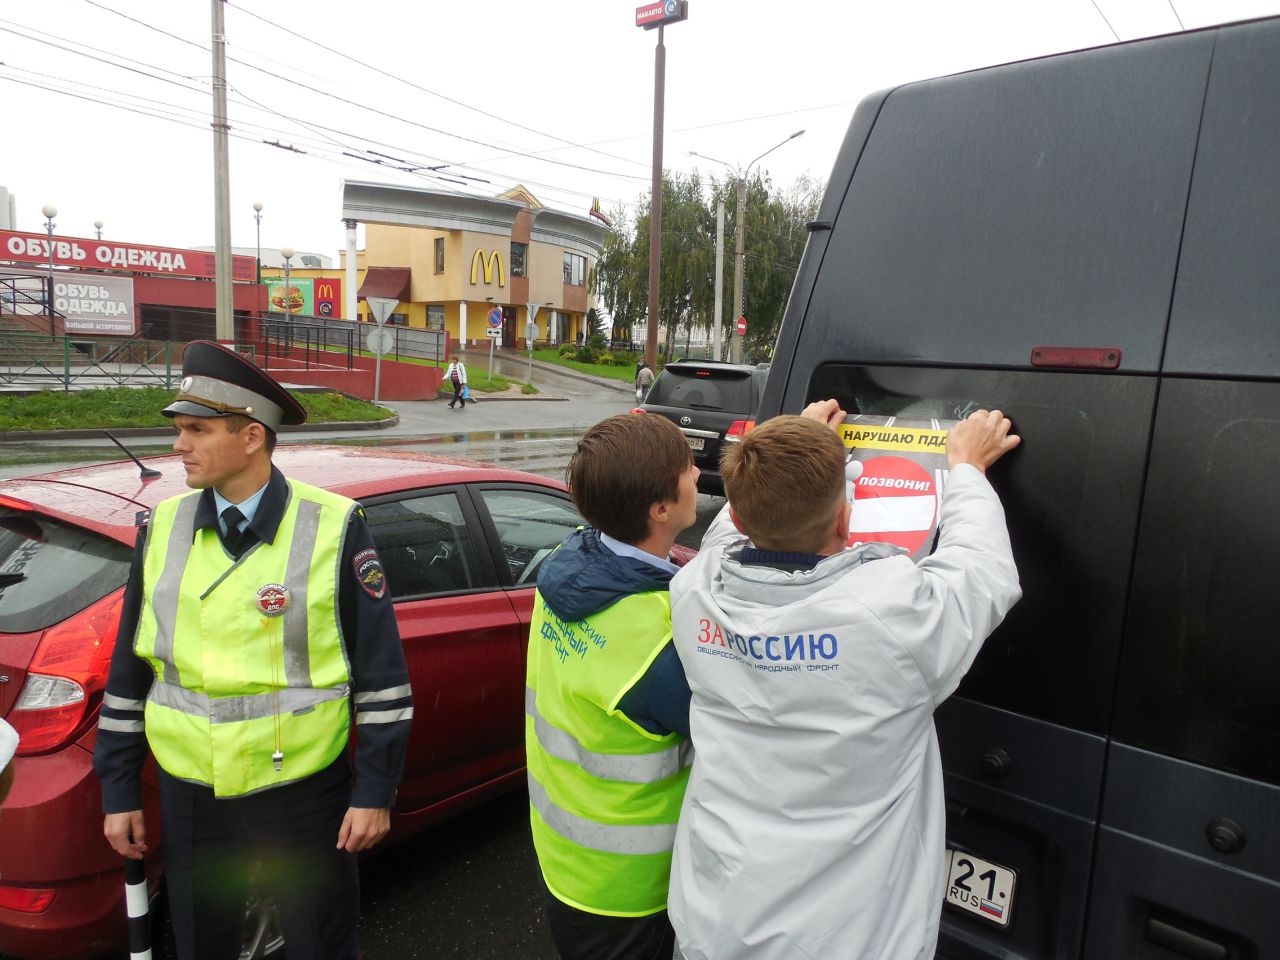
[896, 474]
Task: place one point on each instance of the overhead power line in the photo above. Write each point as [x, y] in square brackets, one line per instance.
[1105, 20]
[435, 93]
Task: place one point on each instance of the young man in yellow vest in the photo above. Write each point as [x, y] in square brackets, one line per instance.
[607, 703]
[255, 625]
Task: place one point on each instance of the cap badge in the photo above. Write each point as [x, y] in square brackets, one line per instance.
[274, 599]
[185, 385]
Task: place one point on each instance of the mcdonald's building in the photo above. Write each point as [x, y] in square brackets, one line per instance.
[451, 259]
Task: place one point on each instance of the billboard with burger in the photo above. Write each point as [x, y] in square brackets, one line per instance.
[295, 297]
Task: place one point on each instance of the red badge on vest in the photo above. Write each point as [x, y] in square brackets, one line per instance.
[273, 599]
[369, 572]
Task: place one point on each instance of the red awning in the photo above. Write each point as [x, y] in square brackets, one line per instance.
[390, 282]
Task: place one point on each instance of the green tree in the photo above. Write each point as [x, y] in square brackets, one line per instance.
[775, 238]
[595, 323]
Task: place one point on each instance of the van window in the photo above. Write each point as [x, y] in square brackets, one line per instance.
[1202, 650]
[1015, 206]
[1070, 493]
[50, 570]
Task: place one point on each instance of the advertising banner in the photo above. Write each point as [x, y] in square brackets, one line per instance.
[297, 298]
[96, 306]
[328, 297]
[33, 248]
[895, 475]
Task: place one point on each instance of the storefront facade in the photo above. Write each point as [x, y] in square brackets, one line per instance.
[453, 260]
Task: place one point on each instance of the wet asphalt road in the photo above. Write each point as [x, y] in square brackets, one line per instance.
[465, 890]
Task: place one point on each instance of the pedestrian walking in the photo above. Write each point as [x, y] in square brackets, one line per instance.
[644, 381]
[256, 626]
[456, 374]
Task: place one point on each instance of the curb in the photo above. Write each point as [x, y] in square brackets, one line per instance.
[619, 385]
[100, 433]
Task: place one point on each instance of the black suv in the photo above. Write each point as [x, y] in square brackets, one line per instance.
[712, 403]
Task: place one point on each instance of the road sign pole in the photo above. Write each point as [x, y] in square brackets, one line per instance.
[491, 339]
[381, 308]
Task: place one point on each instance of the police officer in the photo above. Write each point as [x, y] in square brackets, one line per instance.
[255, 626]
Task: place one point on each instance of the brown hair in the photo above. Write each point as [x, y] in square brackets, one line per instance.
[785, 481]
[238, 421]
[622, 467]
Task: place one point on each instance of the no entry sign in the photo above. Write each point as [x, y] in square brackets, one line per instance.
[897, 473]
[895, 501]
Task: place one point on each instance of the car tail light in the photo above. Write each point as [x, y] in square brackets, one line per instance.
[26, 899]
[738, 429]
[637, 410]
[67, 675]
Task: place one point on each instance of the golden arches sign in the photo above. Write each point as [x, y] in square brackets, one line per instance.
[479, 260]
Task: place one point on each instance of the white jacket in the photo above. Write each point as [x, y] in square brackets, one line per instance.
[462, 372]
[813, 825]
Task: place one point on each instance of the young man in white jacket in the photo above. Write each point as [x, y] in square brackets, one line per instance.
[813, 825]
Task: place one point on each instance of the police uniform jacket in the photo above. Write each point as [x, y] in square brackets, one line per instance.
[813, 824]
[371, 640]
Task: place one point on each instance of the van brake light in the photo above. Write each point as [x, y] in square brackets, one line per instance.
[738, 429]
[1094, 358]
[66, 678]
[637, 410]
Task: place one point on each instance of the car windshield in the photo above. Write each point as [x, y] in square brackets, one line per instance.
[50, 570]
[703, 390]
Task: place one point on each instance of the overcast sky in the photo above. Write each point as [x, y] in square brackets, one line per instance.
[558, 96]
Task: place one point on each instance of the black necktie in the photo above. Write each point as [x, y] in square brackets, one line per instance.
[233, 539]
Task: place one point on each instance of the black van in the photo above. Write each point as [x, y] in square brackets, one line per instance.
[1090, 242]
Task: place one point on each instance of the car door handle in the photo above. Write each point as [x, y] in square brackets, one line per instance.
[1184, 942]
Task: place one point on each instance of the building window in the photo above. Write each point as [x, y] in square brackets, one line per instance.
[575, 269]
[398, 319]
[435, 317]
[518, 252]
[439, 254]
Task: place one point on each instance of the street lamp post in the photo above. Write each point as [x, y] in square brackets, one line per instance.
[257, 218]
[740, 240]
[287, 253]
[50, 211]
[97, 225]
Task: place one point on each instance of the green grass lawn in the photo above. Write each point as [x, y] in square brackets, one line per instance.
[626, 374]
[140, 407]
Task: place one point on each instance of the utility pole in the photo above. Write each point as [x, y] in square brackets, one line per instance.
[719, 315]
[224, 314]
[649, 16]
[655, 205]
[739, 255]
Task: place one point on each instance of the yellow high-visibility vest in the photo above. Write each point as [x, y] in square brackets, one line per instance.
[252, 684]
[604, 794]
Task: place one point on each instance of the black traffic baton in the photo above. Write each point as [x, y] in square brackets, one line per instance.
[137, 904]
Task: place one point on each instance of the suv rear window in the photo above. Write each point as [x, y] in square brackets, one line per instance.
[700, 389]
[50, 570]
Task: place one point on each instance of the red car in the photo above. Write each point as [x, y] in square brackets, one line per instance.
[461, 543]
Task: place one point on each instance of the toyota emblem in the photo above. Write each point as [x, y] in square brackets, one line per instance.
[685, 421]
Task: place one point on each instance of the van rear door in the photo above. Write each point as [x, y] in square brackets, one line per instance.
[1034, 204]
[1188, 855]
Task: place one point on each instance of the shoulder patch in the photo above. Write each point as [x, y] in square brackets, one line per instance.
[142, 518]
[369, 573]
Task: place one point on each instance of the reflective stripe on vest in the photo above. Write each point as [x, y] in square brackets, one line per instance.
[631, 767]
[607, 838]
[243, 701]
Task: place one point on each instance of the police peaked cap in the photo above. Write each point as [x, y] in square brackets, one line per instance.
[217, 382]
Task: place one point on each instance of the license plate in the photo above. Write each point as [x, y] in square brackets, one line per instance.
[980, 887]
[696, 443]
